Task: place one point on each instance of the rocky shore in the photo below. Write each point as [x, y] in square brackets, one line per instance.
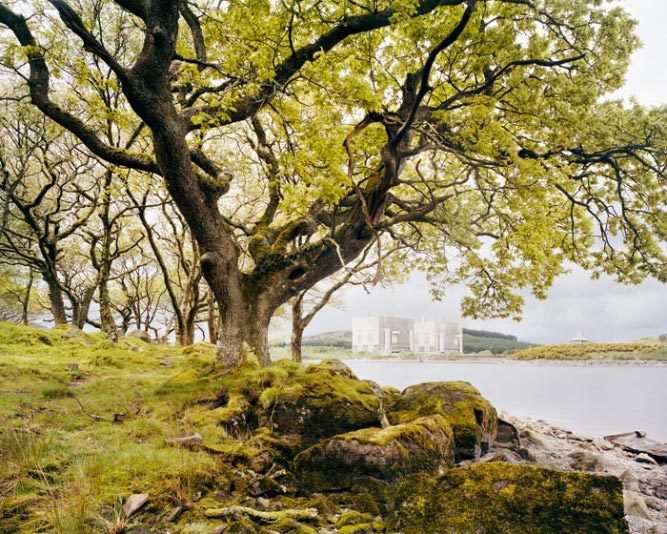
[644, 478]
[320, 451]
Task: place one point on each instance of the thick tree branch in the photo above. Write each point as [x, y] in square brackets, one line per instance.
[39, 95]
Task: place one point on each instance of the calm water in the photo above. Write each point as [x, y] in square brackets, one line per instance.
[591, 400]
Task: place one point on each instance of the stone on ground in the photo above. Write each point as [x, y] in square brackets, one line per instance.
[134, 503]
[423, 445]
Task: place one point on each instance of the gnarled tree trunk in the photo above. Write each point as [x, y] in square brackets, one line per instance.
[56, 298]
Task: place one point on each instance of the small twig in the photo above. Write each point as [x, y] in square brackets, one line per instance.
[92, 415]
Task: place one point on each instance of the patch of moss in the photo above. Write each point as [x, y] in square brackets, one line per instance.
[499, 497]
[472, 418]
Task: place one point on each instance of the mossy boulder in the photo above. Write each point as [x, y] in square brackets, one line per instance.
[333, 366]
[300, 406]
[472, 417]
[327, 404]
[499, 497]
[350, 459]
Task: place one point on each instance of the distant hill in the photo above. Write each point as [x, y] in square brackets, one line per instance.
[474, 341]
[339, 338]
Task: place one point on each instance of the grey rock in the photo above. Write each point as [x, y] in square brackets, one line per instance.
[586, 461]
[630, 481]
[644, 458]
[634, 504]
[507, 435]
[503, 455]
[638, 443]
[532, 438]
[638, 525]
[654, 483]
[656, 504]
[603, 444]
[134, 503]
[174, 514]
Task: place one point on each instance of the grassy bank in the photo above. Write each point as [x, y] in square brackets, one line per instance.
[595, 351]
[84, 424]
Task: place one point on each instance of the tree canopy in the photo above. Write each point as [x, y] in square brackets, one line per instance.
[294, 135]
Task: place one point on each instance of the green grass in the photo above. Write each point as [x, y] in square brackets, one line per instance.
[314, 353]
[67, 469]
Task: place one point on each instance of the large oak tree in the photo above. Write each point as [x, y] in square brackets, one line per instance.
[293, 135]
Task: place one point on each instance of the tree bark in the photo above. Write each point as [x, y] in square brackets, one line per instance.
[257, 337]
[25, 304]
[55, 298]
[83, 308]
[298, 327]
[107, 321]
[186, 334]
[212, 320]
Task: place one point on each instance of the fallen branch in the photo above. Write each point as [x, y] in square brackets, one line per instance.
[117, 418]
[266, 517]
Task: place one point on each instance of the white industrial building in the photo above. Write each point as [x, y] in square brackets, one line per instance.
[378, 334]
[386, 335]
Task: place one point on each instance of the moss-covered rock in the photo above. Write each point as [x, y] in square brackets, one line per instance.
[498, 497]
[299, 406]
[333, 366]
[327, 404]
[472, 417]
[343, 461]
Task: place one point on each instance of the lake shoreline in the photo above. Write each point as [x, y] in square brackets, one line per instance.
[508, 361]
[546, 445]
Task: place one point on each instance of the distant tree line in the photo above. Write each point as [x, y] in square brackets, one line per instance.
[495, 345]
[487, 333]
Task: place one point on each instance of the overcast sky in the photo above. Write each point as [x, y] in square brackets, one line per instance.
[600, 309]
